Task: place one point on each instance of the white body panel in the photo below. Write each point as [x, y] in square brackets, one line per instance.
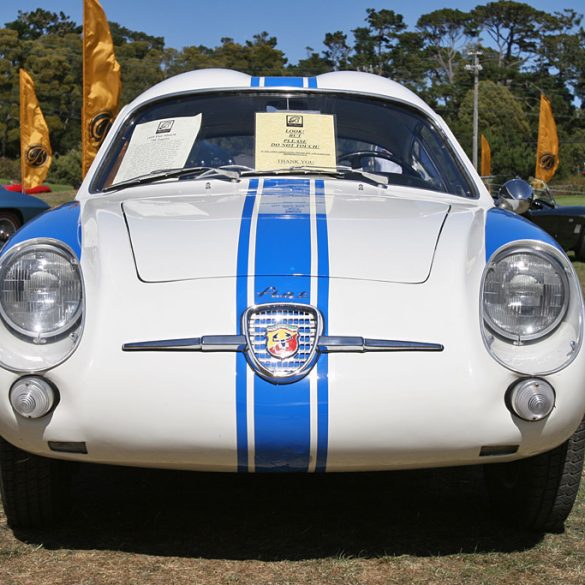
[201, 234]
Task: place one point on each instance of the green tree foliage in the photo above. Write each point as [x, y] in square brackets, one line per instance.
[514, 27]
[35, 24]
[337, 50]
[375, 44]
[525, 51]
[313, 64]
[66, 168]
[256, 57]
[444, 34]
[506, 126]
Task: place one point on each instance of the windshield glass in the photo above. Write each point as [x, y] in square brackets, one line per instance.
[278, 131]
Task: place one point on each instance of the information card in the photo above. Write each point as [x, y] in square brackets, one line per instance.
[287, 139]
[159, 145]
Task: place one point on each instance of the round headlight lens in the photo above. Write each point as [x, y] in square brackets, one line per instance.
[525, 295]
[40, 291]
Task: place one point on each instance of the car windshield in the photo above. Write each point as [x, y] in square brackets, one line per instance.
[543, 194]
[257, 133]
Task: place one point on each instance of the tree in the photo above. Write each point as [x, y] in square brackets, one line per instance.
[263, 57]
[562, 56]
[33, 25]
[445, 33]
[514, 27]
[337, 50]
[503, 119]
[313, 64]
[11, 59]
[373, 44]
[409, 63]
[188, 59]
[55, 63]
[124, 36]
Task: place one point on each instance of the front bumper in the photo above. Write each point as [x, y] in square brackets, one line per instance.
[379, 411]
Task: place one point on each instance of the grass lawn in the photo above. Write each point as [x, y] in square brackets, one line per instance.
[58, 197]
[139, 527]
[59, 193]
[571, 200]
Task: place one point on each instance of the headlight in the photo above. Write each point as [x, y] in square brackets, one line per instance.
[41, 305]
[40, 291]
[526, 294]
[531, 308]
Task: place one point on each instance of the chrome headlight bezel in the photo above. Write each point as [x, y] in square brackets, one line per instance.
[552, 348]
[24, 351]
[519, 338]
[8, 262]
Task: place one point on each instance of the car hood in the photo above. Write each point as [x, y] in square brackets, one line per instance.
[362, 232]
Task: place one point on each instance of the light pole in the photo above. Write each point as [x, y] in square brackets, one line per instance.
[476, 68]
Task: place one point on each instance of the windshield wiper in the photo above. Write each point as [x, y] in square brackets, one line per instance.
[339, 172]
[236, 172]
[229, 173]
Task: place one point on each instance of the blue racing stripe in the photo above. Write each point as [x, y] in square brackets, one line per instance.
[60, 224]
[503, 227]
[323, 306]
[283, 249]
[284, 81]
[241, 305]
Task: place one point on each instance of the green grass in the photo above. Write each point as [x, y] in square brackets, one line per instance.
[57, 197]
[54, 186]
[571, 200]
[60, 193]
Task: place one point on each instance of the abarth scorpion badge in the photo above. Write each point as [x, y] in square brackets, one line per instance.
[282, 340]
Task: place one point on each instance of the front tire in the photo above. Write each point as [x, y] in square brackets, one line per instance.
[580, 250]
[35, 490]
[9, 223]
[538, 493]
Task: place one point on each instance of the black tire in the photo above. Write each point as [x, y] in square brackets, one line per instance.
[9, 223]
[580, 250]
[538, 493]
[35, 490]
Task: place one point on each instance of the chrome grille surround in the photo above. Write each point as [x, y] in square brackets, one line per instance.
[255, 322]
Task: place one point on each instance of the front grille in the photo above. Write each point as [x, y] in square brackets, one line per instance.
[302, 318]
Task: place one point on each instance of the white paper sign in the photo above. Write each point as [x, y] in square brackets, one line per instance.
[158, 145]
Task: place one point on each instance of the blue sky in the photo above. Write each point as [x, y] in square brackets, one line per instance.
[296, 24]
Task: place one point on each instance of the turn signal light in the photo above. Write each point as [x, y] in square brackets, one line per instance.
[531, 399]
[32, 396]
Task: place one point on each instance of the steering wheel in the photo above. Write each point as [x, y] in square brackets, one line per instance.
[354, 157]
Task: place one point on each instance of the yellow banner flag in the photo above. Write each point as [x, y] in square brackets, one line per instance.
[547, 150]
[101, 81]
[486, 157]
[35, 148]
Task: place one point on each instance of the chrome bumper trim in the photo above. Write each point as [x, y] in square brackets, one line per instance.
[326, 344]
[205, 343]
[333, 344]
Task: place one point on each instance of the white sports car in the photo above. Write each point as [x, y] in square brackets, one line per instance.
[268, 274]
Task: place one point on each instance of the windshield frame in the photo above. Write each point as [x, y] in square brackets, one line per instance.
[106, 162]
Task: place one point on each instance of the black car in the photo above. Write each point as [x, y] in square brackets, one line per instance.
[566, 223]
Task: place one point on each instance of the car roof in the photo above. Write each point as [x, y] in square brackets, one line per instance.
[225, 79]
